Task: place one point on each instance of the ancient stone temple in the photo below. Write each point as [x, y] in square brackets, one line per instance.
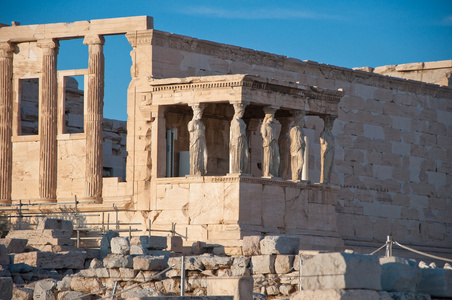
[229, 142]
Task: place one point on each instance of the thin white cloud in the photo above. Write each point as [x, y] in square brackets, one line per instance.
[254, 14]
[447, 20]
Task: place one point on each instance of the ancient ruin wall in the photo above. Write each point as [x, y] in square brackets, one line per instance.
[393, 137]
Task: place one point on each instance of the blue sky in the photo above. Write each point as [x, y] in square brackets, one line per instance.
[344, 33]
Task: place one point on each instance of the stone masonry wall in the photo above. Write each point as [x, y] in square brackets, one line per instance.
[393, 138]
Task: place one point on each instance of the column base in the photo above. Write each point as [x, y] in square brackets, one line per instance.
[96, 200]
[47, 200]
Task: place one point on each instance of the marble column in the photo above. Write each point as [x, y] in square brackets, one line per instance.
[284, 148]
[6, 155]
[327, 146]
[48, 121]
[94, 118]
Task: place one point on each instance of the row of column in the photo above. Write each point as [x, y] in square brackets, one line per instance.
[280, 154]
[48, 120]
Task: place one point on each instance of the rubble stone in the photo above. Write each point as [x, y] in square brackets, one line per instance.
[251, 245]
[336, 294]
[14, 245]
[4, 257]
[284, 263]
[150, 263]
[72, 295]
[105, 243]
[138, 250]
[65, 283]
[6, 287]
[120, 245]
[341, 271]
[115, 261]
[192, 263]
[213, 262]
[399, 274]
[20, 293]
[150, 242]
[174, 244]
[50, 260]
[240, 266]
[263, 264]
[239, 287]
[95, 263]
[279, 244]
[86, 285]
[435, 282]
[45, 289]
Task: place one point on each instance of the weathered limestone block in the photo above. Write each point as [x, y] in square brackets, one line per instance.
[142, 293]
[272, 290]
[105, 246]
[239, 287]
[150, 263]
[43, 237]
[336, 294]
[399, 274]
[6, 287]
[65, 283]
[138, 250]
[50, 260]
[212, 262]
[263, 264]
[286, 289]
[341, 271]
[240, 266]
[172, 286]
[284, 263]
[14, 245]
[251, 245]
[87, 285]
[192, 263]
[95, 263]
[120, 245]
[174, 244]
[72, 295]
[4, 257]
[45, 223]
[279, 244]
[435, 282]
[20, 293]
[114, 261]
[45, 289]
[150, 242]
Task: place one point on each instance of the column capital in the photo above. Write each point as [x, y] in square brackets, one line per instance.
[94, 39]
[6, 49]
[328, 121]
[271, 109]
[48, 43]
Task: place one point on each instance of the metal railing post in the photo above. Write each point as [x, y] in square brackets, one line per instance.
[299, 272]
[388, 246]
[182, 276]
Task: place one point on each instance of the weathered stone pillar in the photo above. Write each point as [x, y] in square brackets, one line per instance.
[48, 121]
[284, 148]
[6, 99]
[327, 147]
[94, 117]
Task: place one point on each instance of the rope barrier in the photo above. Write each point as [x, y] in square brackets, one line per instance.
[422, 253]
[378, 249]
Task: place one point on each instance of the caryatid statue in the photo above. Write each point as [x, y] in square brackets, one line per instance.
[327, 149]
[198, 148]
[238, 145]
[270, 165]
[297, 145]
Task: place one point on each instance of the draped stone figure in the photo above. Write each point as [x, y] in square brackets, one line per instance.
[238, 145]
[327, 150]
[270, 164]
[297, 146]
[198, 149]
